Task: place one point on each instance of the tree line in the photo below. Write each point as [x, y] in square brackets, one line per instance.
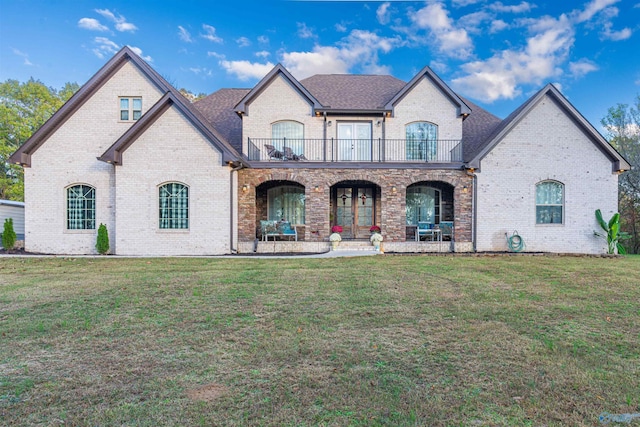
[24, 107]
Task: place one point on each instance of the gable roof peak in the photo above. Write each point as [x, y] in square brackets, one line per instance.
[278, 69]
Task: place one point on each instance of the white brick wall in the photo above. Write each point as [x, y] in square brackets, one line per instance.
[69, 157]
[425, 102]
[545, 145]
[172, 150]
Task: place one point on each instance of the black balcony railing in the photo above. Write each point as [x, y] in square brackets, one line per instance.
[354, 150]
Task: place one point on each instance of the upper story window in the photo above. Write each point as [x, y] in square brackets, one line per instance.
[81, 207]
[130, 108]
[174, 206]
[288, 134]
[421, 141]
[549, 202]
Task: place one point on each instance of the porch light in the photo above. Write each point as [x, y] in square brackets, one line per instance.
[465, 189]
[316, 188]
[245, 188]
[329, 123]
[394, 189]
[379, 123]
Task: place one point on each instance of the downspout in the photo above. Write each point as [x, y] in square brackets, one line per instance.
[235, 169]
[382, 155]
[474, 213]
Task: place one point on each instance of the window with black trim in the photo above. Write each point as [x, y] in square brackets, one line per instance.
[174, 206]
[81, 207]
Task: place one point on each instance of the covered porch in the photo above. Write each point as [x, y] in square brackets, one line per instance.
[312, 201]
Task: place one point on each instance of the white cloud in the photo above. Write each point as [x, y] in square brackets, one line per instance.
[210, 34]
[91, 24]
[184, 35]
[462, 3]
[582, 67]
[322, 60]
[519, 8]
[341, 28]
[243, 42]
[593, 8]
[359, 49]
[138, 52]
[623, 34]
[472, 21]
[105, 47]
[502, 75]
[304, 32]
[263, 54]
[216, 55]
[450, 41]
[497, 26]
[246, 70]
[23, 55]
[263, 39]
[383, 14]
[120, 21]
[201, 71]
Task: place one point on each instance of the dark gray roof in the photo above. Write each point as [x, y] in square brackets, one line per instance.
[353, 92]
[476, 128]
[218, 109]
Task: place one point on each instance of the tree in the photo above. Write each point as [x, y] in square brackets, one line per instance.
[24, 107]
[8, 235]
[102, 241]
[623, 127]
[192, 97]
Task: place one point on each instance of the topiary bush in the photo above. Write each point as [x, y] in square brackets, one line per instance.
[8, 235]
[102, 243]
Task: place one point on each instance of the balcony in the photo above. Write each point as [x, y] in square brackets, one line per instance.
[354, 150]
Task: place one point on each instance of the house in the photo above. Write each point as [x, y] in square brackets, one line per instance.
[15, 211]
[168, 177]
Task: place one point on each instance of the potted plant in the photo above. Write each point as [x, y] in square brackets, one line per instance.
[335, 236]
[376, 237]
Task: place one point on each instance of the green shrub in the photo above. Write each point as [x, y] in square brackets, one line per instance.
[8, 235]
[102, 244]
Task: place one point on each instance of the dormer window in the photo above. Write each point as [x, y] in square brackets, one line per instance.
[130, 109]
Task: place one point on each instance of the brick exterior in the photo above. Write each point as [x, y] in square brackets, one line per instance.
[172, 150]
[390, 208]
[68, 157]
[545, 145]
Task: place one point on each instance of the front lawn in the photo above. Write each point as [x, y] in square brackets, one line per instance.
[385, 340]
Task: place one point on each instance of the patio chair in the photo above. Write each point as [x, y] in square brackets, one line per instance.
[446, 227]
[424, 229]
[290, 155]
[274, 153]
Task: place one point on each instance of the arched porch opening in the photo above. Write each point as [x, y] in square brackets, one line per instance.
[280, 200]
[355, 206]
[430, 202]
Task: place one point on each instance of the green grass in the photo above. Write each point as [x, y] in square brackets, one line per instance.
[371, 341]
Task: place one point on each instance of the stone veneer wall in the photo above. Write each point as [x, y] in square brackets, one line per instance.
[391, 212]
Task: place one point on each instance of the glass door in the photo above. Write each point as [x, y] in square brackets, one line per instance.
[354, 141]
[355, 211]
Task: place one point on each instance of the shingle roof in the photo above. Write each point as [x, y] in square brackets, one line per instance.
[476, 128]
[218, 109]
[353, 92]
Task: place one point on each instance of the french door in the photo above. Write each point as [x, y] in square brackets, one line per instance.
[354, 210]
[354, 141]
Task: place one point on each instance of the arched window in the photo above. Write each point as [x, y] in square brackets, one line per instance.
[549, 202]
[288, 134]
[421, 141]
[174, 206]
[286, 202]
[81, 207]
[423, 205]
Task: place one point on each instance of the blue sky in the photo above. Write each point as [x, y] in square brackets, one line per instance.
[496, 53]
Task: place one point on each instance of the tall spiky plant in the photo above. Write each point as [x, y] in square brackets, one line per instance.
[612, 233]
